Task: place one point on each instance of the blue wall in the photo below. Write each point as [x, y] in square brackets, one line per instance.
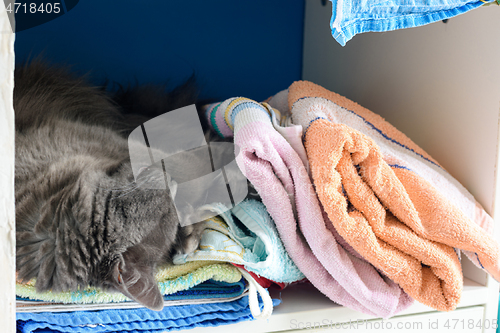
[251, 48]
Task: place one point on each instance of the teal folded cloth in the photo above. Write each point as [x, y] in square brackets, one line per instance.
[351, 17]
[246, 235]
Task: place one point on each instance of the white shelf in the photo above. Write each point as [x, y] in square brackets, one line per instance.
[303, 303]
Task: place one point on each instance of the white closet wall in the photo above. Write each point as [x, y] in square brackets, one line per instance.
[439, 84]
[7, 211]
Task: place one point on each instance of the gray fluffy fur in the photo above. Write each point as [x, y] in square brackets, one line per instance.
[80, 218]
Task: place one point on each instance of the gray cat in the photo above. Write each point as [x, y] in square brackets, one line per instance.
[81, 219]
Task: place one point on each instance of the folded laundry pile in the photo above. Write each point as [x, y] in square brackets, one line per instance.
[280, 177]
[392, 193]
[178, 282]
[196, 294]
[246, 235]
[371, 219]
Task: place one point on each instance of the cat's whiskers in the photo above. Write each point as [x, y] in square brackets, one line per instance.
[131, 190]
[121, 188]
[124, 187]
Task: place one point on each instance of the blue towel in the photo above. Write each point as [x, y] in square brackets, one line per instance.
[209, 289]
[137, 320]
[351, 17]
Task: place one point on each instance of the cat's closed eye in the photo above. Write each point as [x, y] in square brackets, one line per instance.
[113, 169]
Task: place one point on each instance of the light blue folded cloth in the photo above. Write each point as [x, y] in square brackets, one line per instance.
[141, 320]
[351, 17]
[246, 236]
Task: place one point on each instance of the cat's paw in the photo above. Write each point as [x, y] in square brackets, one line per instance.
[191, 245]
[191, 236]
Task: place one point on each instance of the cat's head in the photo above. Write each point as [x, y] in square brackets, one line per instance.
[92, 224]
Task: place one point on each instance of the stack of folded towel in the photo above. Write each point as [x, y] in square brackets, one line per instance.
[172, 318]
[178, 282]
[370, 218]
[252, 242]
[197, 294]
[406, 213]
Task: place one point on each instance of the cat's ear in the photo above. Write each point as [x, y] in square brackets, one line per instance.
[136, 281]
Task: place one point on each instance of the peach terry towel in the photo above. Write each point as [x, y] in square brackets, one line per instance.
[278, 174]
[417, 193]
[308, 101]
[345, 160]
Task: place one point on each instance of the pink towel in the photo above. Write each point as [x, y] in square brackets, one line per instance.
[277, 173]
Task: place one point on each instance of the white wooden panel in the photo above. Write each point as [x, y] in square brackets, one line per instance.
[303, 304]
[7, 211]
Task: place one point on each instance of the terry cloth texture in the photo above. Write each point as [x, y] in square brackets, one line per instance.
[310, 101]
[351, 17]
[278, 175]
[137, 320]
[290, 132]
[207, 292]
[246, 236]
[370, 176]
[428, 271]
[171, 280]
